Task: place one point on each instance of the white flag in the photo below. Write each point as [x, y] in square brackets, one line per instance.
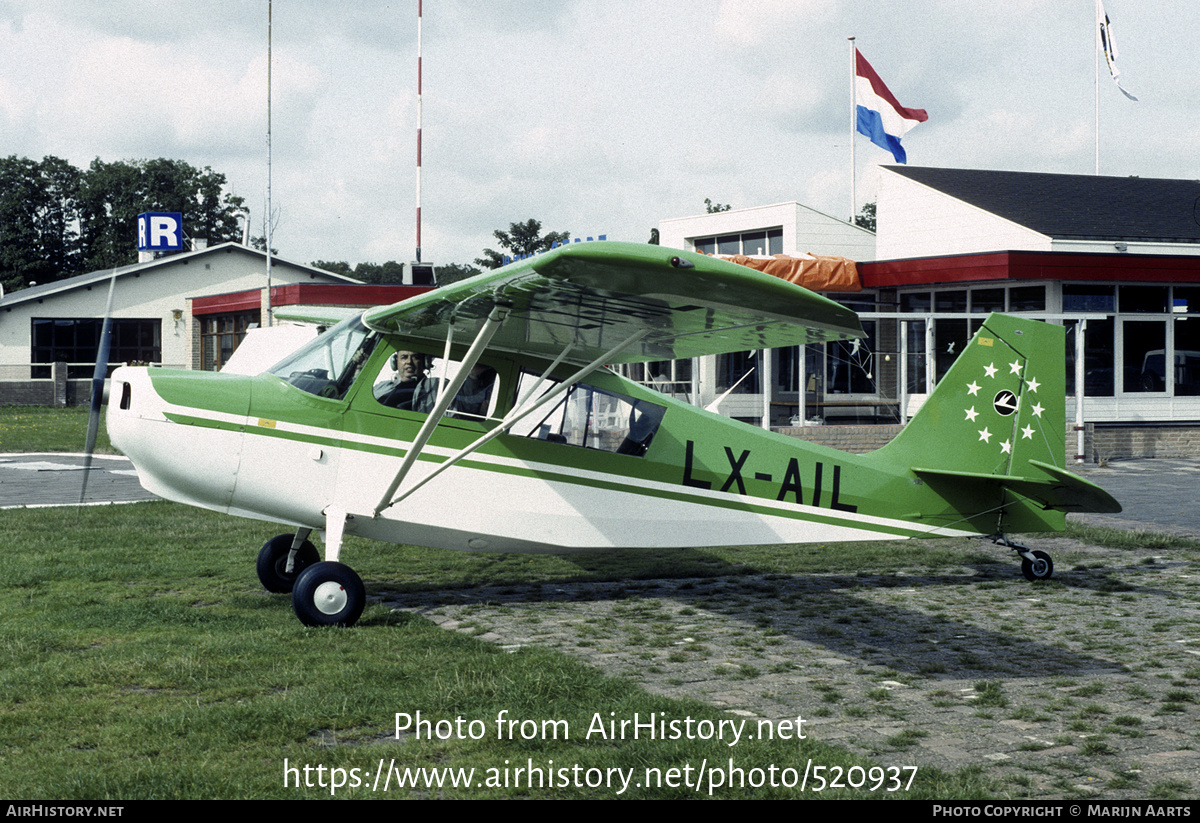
[1110, 48]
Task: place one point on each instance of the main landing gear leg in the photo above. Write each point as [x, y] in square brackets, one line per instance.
[329, 593]
[282, 558]
[1035, 565]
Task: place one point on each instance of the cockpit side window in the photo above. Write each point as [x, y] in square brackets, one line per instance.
[328, 365]
[590, 417]
[411, 380]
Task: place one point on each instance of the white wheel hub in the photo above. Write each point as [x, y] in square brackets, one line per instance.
[330, 598]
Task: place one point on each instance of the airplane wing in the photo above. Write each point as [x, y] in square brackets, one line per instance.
[596, 294]
[316, 315]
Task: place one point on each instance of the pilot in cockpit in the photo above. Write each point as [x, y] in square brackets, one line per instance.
[410, 388]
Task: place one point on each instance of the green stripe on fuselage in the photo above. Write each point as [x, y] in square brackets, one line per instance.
[558, 475]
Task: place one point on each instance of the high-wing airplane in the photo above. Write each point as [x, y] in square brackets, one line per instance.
[482, 416]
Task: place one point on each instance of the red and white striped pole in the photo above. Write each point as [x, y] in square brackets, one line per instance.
[418, 131]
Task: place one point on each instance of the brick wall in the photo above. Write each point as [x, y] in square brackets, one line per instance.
[1110, 442]
[41, 392]
[854, 439]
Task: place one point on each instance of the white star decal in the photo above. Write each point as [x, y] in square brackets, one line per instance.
[972, 414]
[1027, 433]
[991, 369]
[1033, 385]
[1014, 367]
[985, 436]
[1006, 447]
[1037, 409]
[972, 388]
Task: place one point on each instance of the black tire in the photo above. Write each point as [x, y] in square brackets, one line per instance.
[1040, 568]
[329, 594]
[272, 560]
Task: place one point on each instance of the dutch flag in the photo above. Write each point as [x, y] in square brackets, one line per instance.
[880, 115]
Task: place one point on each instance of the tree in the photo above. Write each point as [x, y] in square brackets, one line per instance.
[653, 241]
[112, 195]
[57, 221]
[712, 208]
[453, 272]
[521, 240]
[39, 241]
[339, 267]
[390, 272]
[866, 217]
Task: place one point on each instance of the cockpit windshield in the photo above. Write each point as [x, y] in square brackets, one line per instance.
[328, 365]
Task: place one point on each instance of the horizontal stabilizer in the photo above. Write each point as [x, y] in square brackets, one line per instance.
[1058, 489]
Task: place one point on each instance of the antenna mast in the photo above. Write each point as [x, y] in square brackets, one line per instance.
[419, 131]
[267, 314]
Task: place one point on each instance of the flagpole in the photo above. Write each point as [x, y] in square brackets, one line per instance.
[1096, 36]
[853, 119]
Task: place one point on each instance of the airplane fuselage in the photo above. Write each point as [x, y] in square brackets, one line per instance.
[260, 447]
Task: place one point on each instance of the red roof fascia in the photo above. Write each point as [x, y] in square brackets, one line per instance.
[308, 294]
[1021, 265]
[930, 270]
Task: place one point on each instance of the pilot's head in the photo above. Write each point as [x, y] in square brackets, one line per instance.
[411, 365]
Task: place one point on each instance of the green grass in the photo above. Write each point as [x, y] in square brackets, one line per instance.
[140, 658]
[1136, 539]
[38, 429]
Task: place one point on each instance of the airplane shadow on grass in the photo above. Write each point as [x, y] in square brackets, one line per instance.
[939, 623]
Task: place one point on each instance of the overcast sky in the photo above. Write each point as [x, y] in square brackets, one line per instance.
[593, 116]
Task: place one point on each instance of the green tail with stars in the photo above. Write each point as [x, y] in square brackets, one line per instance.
[994, 430]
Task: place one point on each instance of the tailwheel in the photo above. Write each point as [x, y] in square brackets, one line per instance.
[329, 594]
[272, 563]
[1036, 565]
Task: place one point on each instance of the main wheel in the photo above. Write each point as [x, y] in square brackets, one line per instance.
[329, 594]
[272, 563]
[1040, 568]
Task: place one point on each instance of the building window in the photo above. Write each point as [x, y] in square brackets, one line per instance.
[986, 301]
[1144, 350]
[1187, 354]
[1143, 299]
[1027, 298]
[915, 301]
[850, 364]
[740, 371]
[1088, 298]
[760, 241]
[77, 342]
[671, 377]
[1098, 373]
[220, 335]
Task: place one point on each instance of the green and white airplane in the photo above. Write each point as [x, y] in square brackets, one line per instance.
[482, 416]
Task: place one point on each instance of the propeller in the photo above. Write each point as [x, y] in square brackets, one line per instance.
[98, 376]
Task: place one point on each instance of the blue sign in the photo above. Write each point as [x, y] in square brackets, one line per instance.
[505, 259]
[160, 231]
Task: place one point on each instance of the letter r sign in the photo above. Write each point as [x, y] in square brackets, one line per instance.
[160, 231]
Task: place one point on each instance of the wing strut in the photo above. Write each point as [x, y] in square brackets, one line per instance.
[445, 398]
[518, 413]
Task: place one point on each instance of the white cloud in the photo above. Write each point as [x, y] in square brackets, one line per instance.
[597, 116]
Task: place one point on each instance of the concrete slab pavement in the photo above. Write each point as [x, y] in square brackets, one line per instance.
[36, 480]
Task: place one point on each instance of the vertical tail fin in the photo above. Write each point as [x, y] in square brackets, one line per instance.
[995, 427]
[1000, 406]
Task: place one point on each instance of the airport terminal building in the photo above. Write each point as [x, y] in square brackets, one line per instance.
[187, 310]
[1114, 259]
